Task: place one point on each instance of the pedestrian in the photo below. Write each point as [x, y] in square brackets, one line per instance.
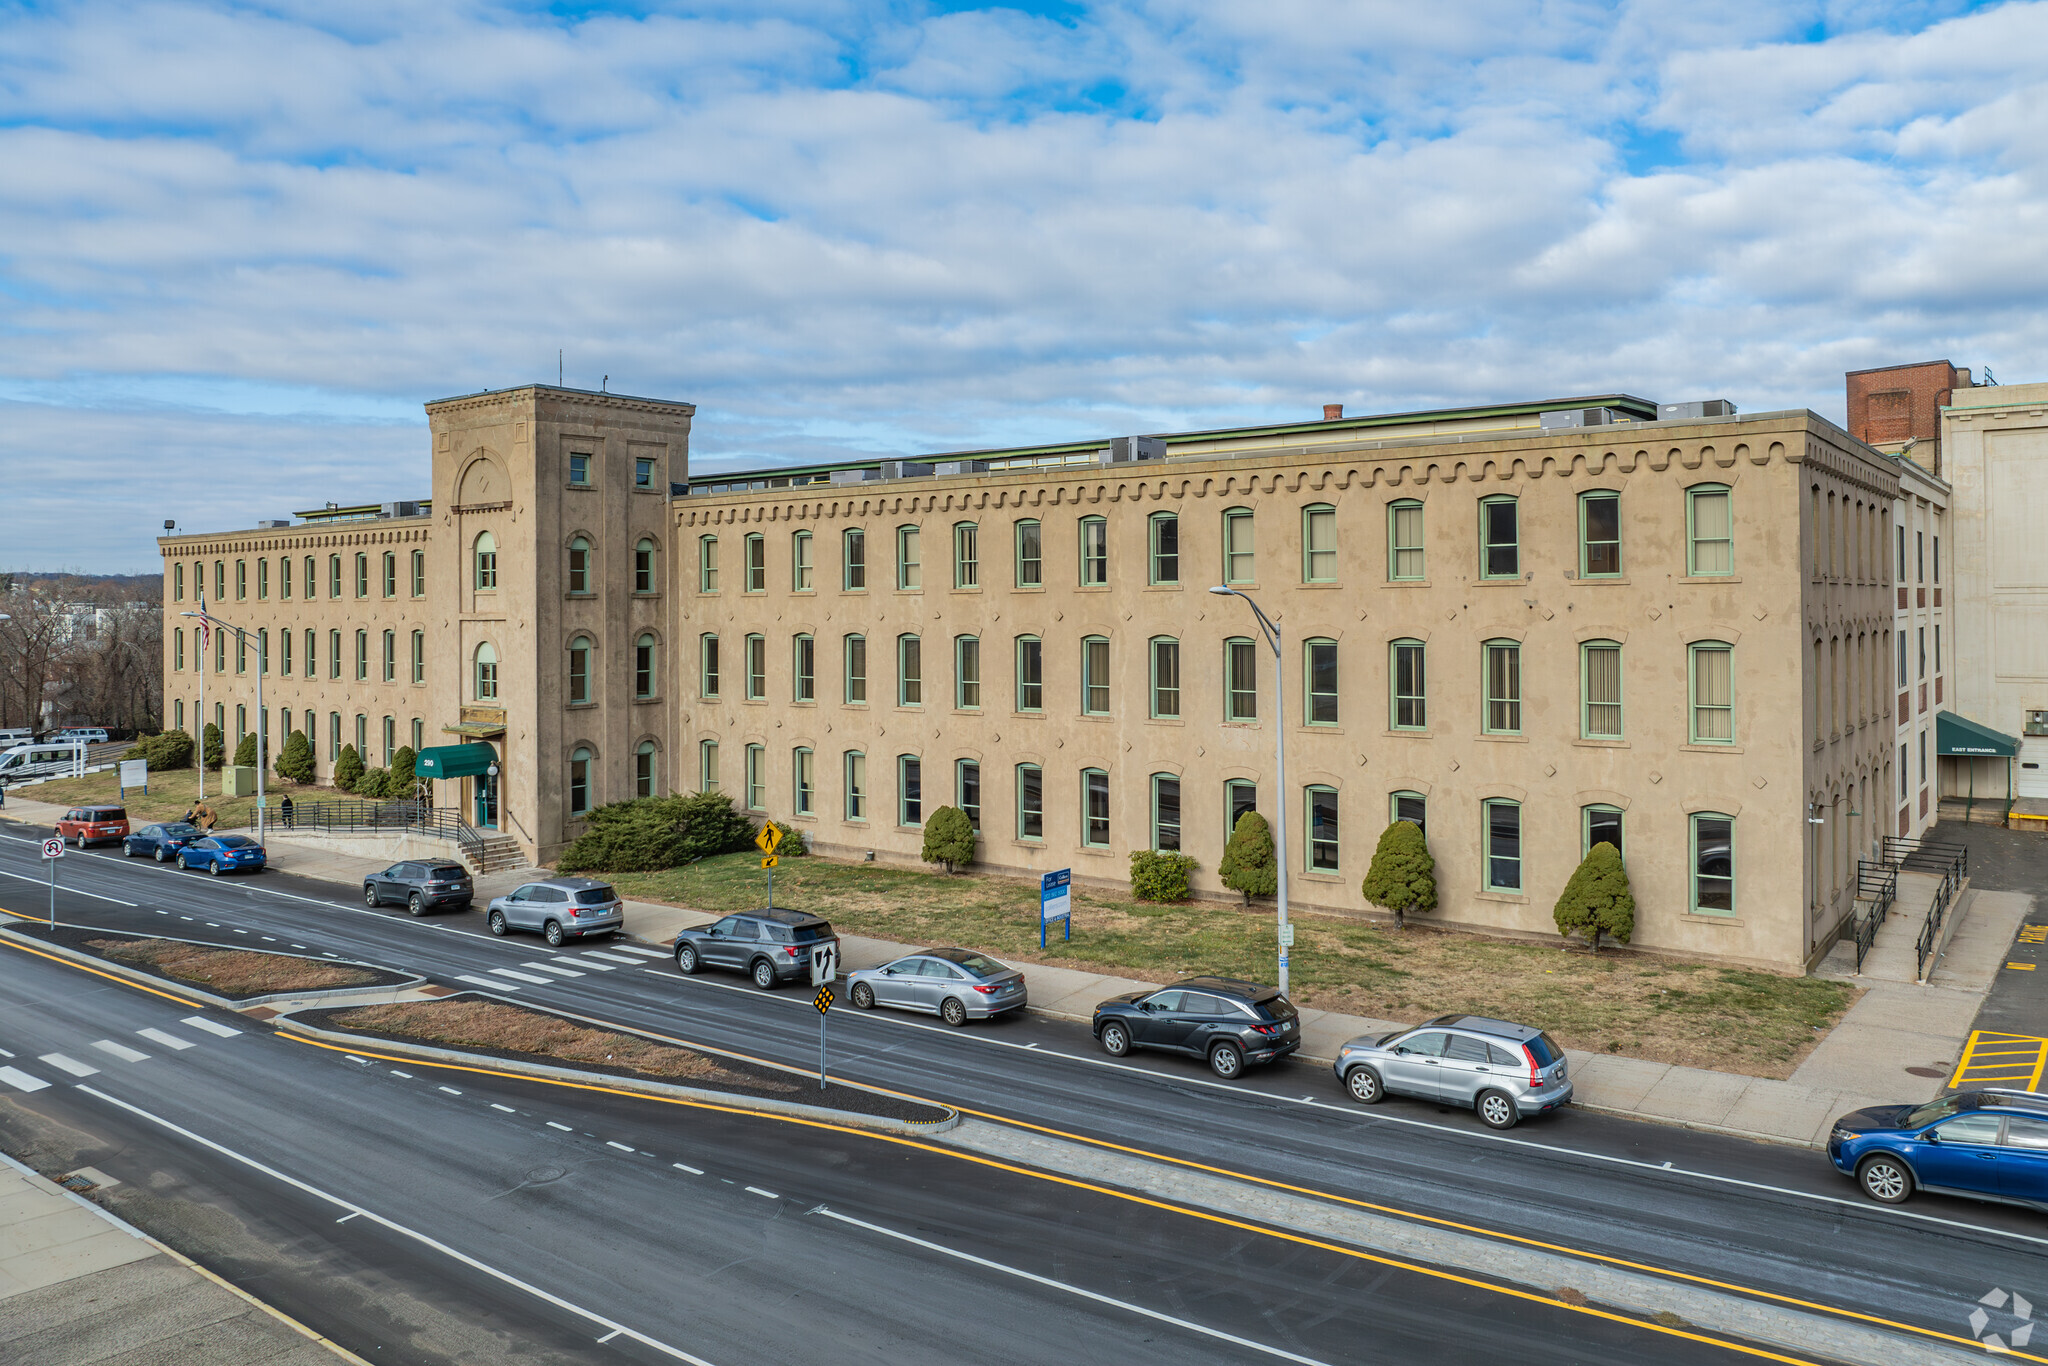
[285, 809]
[204, 818]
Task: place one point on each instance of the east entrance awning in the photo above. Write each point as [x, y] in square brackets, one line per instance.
[454, 761]
[1955, 735]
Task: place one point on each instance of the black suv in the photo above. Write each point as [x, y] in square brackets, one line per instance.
[421, 886]
[1222, 1019]
[772, 945]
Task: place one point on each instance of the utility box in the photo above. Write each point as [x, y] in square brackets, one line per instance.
[241, 781]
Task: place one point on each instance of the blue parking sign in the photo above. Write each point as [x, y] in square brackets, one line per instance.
[1056, 902]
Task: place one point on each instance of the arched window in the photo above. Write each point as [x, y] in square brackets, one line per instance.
[1240, 680]
[1412, 807]
[757, 564]
[486, 679]
[486, 559]
[643, 768]
[1710, 530]
[390, 580]
[1319, 544]
[579, 780]
[1503, 835]
[362, 575]
[334, 576]
[579, 565]
[802, 562]
[579, 670]
[803, 660]
[643, 565]
[804, 781]
[1600, 690]
[966, 555]
[707, 564]
[1713, 692]
[644, 679]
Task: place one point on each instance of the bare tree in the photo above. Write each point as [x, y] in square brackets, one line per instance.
[80, 651]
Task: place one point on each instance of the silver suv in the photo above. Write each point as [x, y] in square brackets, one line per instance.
[560, 908]
[1504, 1071]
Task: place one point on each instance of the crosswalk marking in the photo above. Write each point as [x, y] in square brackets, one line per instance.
[167, 1040]
[21, 1081]
[493, 983]
[121, 1051]
[218, 1030]
[644, 953]
[516, 976]
[610, 957]
[71, 1065]
[597, 967]
[550, 967]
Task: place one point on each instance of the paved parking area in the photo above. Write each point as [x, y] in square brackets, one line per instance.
[2009, 1038]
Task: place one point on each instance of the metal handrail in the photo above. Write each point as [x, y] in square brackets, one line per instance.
[403, 816]
[1930, 930]
[1927, 856]
[1878, 885]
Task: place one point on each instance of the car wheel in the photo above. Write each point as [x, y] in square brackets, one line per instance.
[764, 974]
[370, 897]
[497, 922]
[214, 868]
[162, 855]
[1363, 1084]
[127, 850]
[553, 931]
[1497, 1110]
[416, 903]
[1226, 1060]
[79, 840]
[953, 1012]
[1116, 1040]
[1885, 1179]
[863, 996]
[686, 959]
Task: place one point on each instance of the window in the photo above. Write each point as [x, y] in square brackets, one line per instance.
[1937, 648]
[1503, 846]
[313, 580]
[1503, 688]
[1165, 547]
[1600, 690]
[579, 468]
[242, 654]
[643, 474]
[1409, 705]
[853, 552]
[178, 646]
[707, 765]
[262, 579]
[220, 653]
[178, 582]
[909, 790]
[1902, 658]
[1030, 802]
[1713, 694]
[909, 558]
[1030, 555]
[1165, 677]
[1319, 544]
[579, 781]
[1920, 636]
[707, 665]
[757, 781]
[1412, 807]
[363, 736]
[1937, 559]
[486, 562]
[1319, 674]
[1239, 797]
[756, 567]
[909, 671]
[643, 769]
[967, 791]
[756, 665]
[333, 574]
[856, 785]
[1600, 535]
[1240, 680]
[1603, 826]
[242, 579]
[1094, 552]
[220, 581]
[1237, 546]
[644, 677]
[967, 672]
[390, 739]
[1919, 560]
[801, 568]
[333, 735]
[419, 574]
[486, 678]
[707, 564]
[362, 655]
[1094, 808]
[804, 780]
[389, 657]
[419, 655]
[1500, 538]
[856, 670]
[1030, 674]
[309, 651]
[579, 566]
[390, 577]
[1094, 676]
[333, 654]
[1322, 829]
[804, 665]
[1710, 530]
[362, 575]
[1165, 811]
[1902, 552]
[1713, 864]
[966, 555]
[284, 576]
[242, 723]
[643, 565]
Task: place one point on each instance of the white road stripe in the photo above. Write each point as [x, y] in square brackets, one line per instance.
[644, 953]
[608, 957]
[396, 1073]
[490, 982]
[5, 1054]
[506, 1108]
[563, 1127]
[167, 1040]
[596, 967]
[72, 891]
[217, 1030]
[71, 1065]
[449, 1089]
[516, 976]
[22, 1081]
[620, 1146]
[694, 1171]
[551, 967]
[121, 1051]
[756, 1190]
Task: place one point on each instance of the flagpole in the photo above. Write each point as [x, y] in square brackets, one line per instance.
[205, 643]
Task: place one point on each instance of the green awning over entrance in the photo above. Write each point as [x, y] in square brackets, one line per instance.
[454, 761]
[1954, 735]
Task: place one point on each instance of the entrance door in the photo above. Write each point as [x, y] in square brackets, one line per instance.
[2030, 770]
[485, 786]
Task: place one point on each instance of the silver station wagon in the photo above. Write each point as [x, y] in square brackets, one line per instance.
[1504, 1071]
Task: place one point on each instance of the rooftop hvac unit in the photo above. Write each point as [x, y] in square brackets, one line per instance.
[273, 524]
[960, 467]
[854, 476]
[1125, 448]
[1577, 417]
[905, 469]
[1699, 407]
[399, 510]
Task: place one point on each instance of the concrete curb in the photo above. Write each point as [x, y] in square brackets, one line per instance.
[331, 995]
[666, 1090]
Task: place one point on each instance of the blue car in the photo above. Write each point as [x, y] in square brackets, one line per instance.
[161, 842]
[1987, 1145]
[219, 854]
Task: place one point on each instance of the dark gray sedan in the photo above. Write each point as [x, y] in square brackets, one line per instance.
[957, 985]
[421, 886]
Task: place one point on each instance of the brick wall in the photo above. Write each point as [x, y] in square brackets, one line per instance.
[1898, 403]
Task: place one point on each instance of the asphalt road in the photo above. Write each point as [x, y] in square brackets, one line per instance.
[1744, 1214]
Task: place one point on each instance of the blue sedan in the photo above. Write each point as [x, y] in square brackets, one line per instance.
[219, 854]
[1986, 1145]
[161, 842]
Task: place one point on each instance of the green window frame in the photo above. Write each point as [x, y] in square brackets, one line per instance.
[707, 665]
[1094, 547]
[646, 657]
[855, 769]
[1405, 805]
[803, 659]
[1166, 815]
[853, 560]
[362, 578]
[802, 562]
[579, 671]
[1600, 690]
[1030, 802]
[757, 668]
[1501, 670]
[966, 555]
[263, 578]
[1407, 685]
[579, 780]
[1502, 836]
[757, 781]
[643, 567]
[1165, 691]
[909, 790]
[1319, 543]
[1319, 682]
[1030, 674]
[967, 673]
[1710, 675]
[1500, 537]
[707, 564]
[1600, 823]
[1239, 796]
[1240, 679]
[855, 672]
[1030, 553]
[483, 543]
[756, 566]
[419, 574]
[1713, 863]
[967, 791]
[1240, 561]
[909, 558]
[1095, 808]
[579, 567]
[485, 560]
[804, 780]
[1163, 531]
[1710, 530]
[909, 670]
[1600, 534]
[389, 584]
[579, 469]
[1319, 806]
[1095, 675]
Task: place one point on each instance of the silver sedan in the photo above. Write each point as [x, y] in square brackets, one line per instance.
[957, 985]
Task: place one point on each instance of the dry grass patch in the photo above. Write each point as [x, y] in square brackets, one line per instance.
[170, 795]
[234, 972]
[510, 1029]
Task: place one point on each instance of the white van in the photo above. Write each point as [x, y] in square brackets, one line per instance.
[47, 759]
[92, 735]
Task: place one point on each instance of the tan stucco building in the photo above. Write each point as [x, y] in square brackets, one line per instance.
[1523, 634]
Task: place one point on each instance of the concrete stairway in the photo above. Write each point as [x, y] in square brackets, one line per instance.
[1892, 956]
[495, 854]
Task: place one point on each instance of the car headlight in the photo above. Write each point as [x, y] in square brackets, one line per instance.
[1845, 1135]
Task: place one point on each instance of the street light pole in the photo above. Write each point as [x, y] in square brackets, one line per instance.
[262, 666]
[1271, 630]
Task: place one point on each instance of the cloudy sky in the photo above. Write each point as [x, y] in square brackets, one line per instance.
[240, 244]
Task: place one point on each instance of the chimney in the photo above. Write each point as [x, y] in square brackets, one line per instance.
[1332, 411]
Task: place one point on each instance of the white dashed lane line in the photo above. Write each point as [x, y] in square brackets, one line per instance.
[553, 967]
[563, 1127]
[71, 1065]
[167, 1040]
[121, 1051]
[21, 1081]
[620, 1146]
[396, 1073]
[506, 1108]
[694, 1171]
[756, 1190]
[449, 1089]
[200, 1022]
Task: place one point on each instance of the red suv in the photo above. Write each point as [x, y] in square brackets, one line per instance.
[85, 825]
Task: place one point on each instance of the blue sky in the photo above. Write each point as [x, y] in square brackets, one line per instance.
[240, 244]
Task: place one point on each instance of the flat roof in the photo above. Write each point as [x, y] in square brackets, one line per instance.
[563, 389]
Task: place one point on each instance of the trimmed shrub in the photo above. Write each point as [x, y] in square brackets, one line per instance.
[245, 752]
[651, 833]
[295, 760]
[1597, 900]
[1160, 875]
[949, 838]
[171, 750]
[215, 747]
[402, 775]
[375, 784]
[1402, 877]
[1248, 865]
[348, 769]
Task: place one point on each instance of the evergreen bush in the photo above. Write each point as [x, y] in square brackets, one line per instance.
[403, 776]
[1597, 900]
[171, 750]
[375, 784]
[1402, 877]
[295, 760]
[949, 838]
[245, 752]
[348, 769]
[215, 747]
[1248, 865]
[647, 834]
[1160, 875]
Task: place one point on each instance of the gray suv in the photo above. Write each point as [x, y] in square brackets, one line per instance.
[560, 908]
[772, 945]
[421, 886]
[1504, 1071]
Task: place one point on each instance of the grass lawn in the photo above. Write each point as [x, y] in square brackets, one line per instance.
[170, 795]
[1697, 1016]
